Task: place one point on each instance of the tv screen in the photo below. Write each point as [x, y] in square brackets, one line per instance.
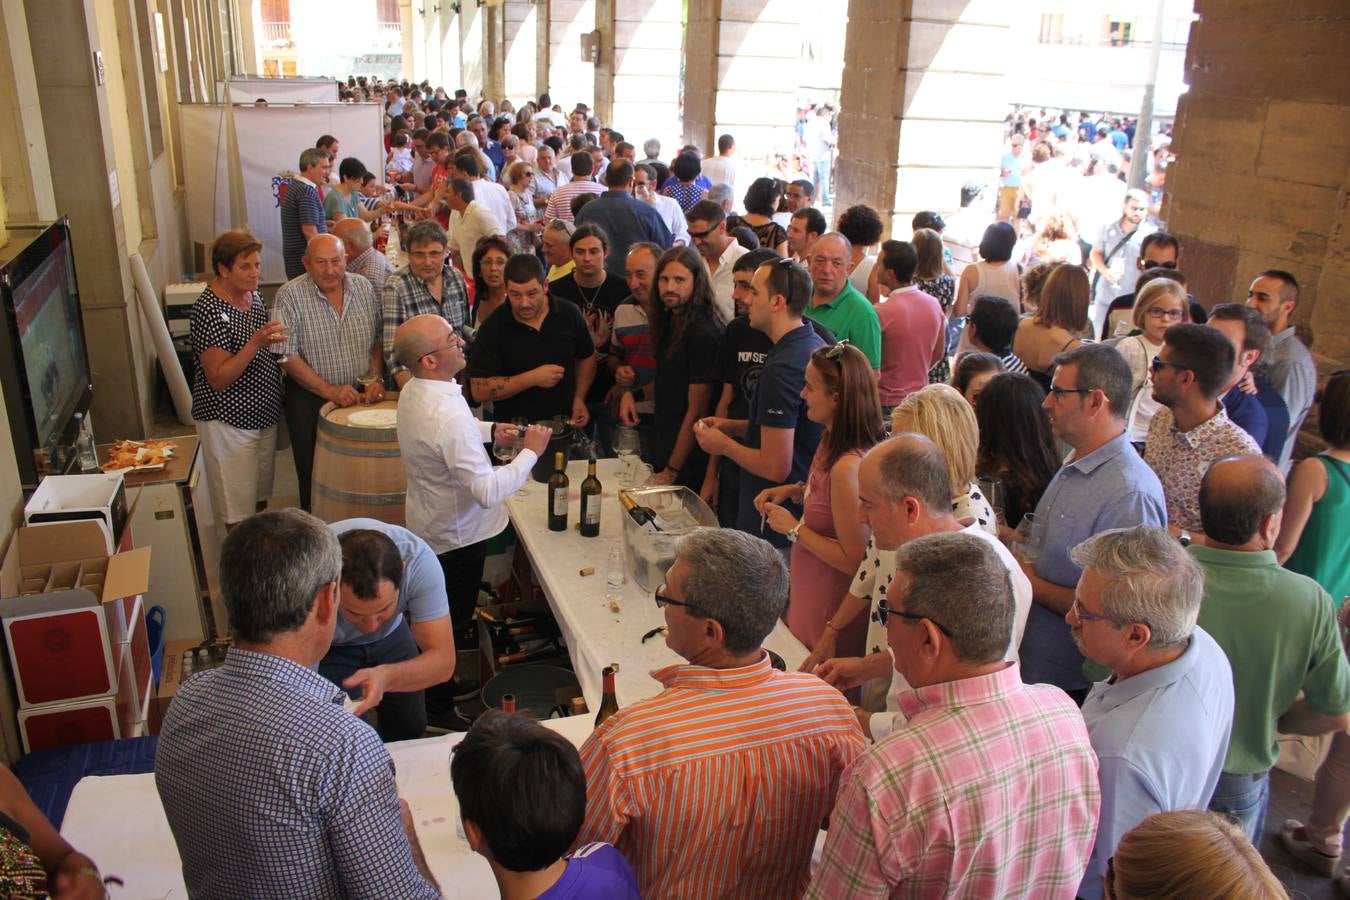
[46, 342]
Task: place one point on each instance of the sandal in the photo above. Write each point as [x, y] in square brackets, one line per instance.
[1295, 840]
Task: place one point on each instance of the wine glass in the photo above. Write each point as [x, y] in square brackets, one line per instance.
[627, 446]
[505, 444]
[521, 424]
[992, 488]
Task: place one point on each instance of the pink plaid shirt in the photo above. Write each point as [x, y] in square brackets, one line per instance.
[988, 790]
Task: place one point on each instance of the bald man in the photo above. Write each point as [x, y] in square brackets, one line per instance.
[362, 257]
[1277, 627]
[456, 498]
[332, 352]
[836, 303]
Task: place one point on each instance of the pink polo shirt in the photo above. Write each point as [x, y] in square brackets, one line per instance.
[910, 324]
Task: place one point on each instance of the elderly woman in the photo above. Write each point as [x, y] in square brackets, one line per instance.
[236, 389]
[529, 217]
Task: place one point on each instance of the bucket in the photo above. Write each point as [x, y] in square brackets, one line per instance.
[536, 688]
[358, 470]
[155, 620]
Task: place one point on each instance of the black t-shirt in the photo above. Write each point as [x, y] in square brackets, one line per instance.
[505, 346]
[778, 403]
[744, 350]
[597, 305]
[697, 362]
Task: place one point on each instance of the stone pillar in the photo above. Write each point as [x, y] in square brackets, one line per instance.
[473, 55]
[449, 50]
[433, 26]
[410, 54]
[570, 81]
[26, 179]
[494, 53]
[63, 62]
[700, 74]
[640, 68]
[520, 44]
[922, 104]
[758, 49]
[414, 43]
[1263, 163]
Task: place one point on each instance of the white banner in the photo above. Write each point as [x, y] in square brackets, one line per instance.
[270, 141]
[281, 90]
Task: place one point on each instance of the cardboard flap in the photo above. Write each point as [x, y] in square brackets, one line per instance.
[128, 573]
[60, 541]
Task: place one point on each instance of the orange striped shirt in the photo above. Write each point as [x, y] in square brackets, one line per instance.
[717, 786]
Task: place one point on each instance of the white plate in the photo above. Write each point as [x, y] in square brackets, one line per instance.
[374, 418]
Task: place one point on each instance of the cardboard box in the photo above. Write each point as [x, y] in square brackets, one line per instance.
[65, 638]
[64, 724]
[171, 676]
[100, 498]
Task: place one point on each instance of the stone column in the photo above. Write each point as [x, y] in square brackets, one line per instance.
[473, 55]
[640, 66]
[570, 81]
[63, 62]
[922, 104]
[758, 47]
[494, 53]
[520, 40]
[1263, 162]
[410, 54]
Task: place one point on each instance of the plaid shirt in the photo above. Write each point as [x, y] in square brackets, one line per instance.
[374, 266]
[298, 802]
[988, 790]
[406, 295]
[337, 347]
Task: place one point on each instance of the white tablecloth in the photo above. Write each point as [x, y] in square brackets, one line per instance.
[596, 636]
[118, 821]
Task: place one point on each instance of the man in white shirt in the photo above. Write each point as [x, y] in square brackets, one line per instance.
[905, 493]
[456, 498]
[644, 188]
[470, 221]
[708, 233]
[492, 195]
[721, 169]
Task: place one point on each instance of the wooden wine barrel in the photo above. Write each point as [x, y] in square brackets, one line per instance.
[358, 470]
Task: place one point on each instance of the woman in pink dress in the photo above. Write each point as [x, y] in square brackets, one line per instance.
[829, 540]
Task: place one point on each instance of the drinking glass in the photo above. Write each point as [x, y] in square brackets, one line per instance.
[505, 446]
[521, 424]
[992, 488]
[628, 447]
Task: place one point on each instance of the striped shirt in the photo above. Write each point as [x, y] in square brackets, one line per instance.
[560, 201]
[989, 789]
[336, 346]
[406, 295]
[717, 786]
[300, 206]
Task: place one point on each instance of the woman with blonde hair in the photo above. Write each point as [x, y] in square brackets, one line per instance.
[1158, 306]
[940, 413]
[1061, 318]
[1056, 241]
[1188, 855]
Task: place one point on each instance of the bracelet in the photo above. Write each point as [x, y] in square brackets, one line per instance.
[830, 625]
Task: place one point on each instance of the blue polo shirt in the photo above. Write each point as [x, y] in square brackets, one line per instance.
[421, 593]
[1111, 487]
[626, 221]
[776, 402]
[1161, 738]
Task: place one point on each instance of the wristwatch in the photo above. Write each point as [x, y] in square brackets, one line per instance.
[1184, 538]
[792, 533]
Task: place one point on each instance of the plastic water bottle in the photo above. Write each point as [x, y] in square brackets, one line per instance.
[614, 573]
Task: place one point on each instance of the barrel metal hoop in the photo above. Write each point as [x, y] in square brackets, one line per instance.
[369, 452]
[356, 433]
[340, 496]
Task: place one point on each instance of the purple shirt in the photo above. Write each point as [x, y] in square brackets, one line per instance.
[595, 870]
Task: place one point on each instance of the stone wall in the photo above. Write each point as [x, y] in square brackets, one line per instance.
[1263, 159]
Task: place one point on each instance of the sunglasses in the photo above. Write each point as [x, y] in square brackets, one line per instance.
[1158, 363]
[835, 351]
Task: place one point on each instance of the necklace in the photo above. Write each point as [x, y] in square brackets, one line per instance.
[590, 301]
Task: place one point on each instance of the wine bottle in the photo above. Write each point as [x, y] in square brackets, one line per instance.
[643, 515]
[609, 702]
[590, 503]
[547, 651]
[557, 494]
[508, 703]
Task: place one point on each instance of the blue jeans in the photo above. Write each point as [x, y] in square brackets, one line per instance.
[822, 176]
[1244, 799]
[402, 715]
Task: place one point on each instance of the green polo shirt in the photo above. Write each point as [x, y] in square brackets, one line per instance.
[1279, 631]
[850, 317]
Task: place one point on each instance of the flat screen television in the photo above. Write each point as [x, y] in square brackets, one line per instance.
[44, 362]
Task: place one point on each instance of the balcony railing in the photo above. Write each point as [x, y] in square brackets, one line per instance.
[389, 35]
[277, 34]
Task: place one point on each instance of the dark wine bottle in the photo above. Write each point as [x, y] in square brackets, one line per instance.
[609, 702]
[508, 703]
[557, 494]
[643, 515]
[590, 503]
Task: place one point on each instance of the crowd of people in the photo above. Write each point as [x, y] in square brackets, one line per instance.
[1031, 508]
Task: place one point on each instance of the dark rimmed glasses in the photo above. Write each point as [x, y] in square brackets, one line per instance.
[884, 612]
[662, 600]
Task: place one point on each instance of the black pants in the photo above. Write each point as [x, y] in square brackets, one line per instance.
[728, 493]
[463, 568]
[302, 420]
[402, 715]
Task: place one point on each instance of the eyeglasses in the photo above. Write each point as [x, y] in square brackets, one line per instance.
[1157, 312]
[663, 601]
[1081, 614]
[884, 612]
[1158, 363]
[453, 344]
[1061, 391]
